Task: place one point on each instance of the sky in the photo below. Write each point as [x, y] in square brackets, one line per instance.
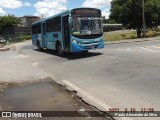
[47, 8]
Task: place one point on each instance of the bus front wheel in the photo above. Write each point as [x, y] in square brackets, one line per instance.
[59, 49]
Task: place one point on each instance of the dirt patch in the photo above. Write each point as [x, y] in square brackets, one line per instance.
[45, 95]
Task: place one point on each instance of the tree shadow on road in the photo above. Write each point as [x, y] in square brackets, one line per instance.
[72, 56]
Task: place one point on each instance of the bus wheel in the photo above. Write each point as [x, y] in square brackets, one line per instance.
[59, 49]
[39, 47]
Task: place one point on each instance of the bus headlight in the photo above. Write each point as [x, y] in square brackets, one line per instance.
[74, 41]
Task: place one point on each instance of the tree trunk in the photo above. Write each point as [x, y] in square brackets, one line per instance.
[139, 32]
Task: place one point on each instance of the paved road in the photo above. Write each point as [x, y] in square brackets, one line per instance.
[119, 76]
[14, 69]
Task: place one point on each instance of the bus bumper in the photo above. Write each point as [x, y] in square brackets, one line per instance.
[79, 48]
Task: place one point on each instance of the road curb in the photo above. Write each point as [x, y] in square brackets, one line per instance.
[132, 41]
[8, 47]
[5, 49]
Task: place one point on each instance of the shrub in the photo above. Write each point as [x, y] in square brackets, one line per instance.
[151, 33]
[123, 35]
[27, 37]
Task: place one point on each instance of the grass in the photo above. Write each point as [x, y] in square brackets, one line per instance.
[124, 35]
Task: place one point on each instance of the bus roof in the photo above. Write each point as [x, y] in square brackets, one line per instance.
[61, 13]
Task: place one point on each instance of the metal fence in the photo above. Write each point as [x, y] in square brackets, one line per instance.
[112, 27]
[14, 34]
[2, 42]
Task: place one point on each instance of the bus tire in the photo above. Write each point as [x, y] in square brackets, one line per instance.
[39, 46]
[59, 49]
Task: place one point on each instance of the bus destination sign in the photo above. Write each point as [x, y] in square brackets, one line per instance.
[86, 11]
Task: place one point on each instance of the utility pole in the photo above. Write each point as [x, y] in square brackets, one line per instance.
[144, 23]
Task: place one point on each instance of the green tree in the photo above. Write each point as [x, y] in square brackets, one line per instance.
[109, 21]
[129, 13]
[9, 21]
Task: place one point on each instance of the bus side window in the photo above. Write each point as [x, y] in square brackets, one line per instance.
[36, 30]
[49, 25]
[39, 28]
[57, 24]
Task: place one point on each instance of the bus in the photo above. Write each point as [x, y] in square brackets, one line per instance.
[76, 30]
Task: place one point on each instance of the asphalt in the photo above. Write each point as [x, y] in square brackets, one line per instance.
[14, 68]
[25, 87]
[118, 76]
[123, 71]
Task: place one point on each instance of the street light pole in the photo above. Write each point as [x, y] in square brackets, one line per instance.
[144, 23]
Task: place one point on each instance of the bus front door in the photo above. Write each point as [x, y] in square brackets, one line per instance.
[44, 42]
[66, 32]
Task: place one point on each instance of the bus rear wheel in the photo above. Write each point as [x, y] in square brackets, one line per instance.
[59, 49]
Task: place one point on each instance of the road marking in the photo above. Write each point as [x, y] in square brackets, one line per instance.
[156, 46]
[92, 98]
[119, 49]
[149, 49]
[20, 56]
[128, 49]
[35, 64]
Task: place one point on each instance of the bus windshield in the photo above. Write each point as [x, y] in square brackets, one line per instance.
[86, 25]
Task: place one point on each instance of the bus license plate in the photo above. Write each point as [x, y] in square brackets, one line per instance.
[91, 46]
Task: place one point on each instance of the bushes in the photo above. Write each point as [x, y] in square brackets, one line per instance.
[151, 33]
[15, 38]
[26, 37]
[154, 32]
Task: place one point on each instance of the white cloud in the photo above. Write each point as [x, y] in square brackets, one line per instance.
[106, 13]
[27, 4]
[101, 4]
[2, 12]
[13, 4]
[50, 7]
[96, 3]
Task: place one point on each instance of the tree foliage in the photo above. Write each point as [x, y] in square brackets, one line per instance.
[129, 13]
[9, 21]
[109, 21]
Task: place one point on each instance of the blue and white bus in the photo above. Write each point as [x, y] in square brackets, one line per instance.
[76, 30]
